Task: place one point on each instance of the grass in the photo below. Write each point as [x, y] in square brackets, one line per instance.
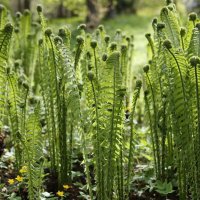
[136, 25]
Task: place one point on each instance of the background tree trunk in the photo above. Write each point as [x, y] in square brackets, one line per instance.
[93, 17]
[27, 4]
[127, 6]
[111, 12]
[61, 10]
[19, 5]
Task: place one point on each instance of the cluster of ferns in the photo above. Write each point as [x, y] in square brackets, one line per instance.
[57, 97]
[172, 99]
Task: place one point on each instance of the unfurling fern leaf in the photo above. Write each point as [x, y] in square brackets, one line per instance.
[172, 28]
[5, 38]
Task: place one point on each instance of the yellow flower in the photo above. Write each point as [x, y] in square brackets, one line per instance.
[23, 169]
[11, 181]
[60, 193]
[19, 178]
[66, 186]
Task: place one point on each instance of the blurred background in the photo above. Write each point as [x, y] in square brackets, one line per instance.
[133, 17]
[93, 11]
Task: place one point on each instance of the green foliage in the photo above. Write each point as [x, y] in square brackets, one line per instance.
[172, 100]
[104, 78]
[5, 37]
[20, 115]
[33, 147]
[61, 99]
[163, 187]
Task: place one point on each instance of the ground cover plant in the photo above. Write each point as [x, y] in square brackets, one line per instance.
[71, 112]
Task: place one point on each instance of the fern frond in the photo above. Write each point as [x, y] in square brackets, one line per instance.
[172, 26]
[3, 16]
[193, 49]
[5, 38]
[34, 153]
[131, 142]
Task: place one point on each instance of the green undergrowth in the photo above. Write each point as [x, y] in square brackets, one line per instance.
[72, 102]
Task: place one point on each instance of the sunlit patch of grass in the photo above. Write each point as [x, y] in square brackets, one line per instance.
[137, 25]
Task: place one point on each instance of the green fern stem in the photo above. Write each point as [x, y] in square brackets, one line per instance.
[78, 52]
[197, 99]
[23, 126]
[24, 110]
[151, 130]
[148, 36]
[87, 170]
[155, 129]
[164, 134]
[98, 156]
[96, 66]
[63, 140]
[110, 156]
[121, 172]
[198, 125]
[184, 188]
[130, 156]
[47, 114]
[71, 150]
[170, 150]
[16, 126]
[55, 142]
[119, 181]
[180, 73]
[120, 160]
[55, 74]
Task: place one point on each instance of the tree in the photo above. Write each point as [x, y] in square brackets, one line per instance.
[61, 9]
[119, 6]
[127, 5]
[111, 12]
[27, 4]
[19, 5]
[93, 17]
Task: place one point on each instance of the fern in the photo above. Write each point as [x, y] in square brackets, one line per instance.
[5, 38]
[115, 100]
[82, 93]
[33, 146]
[172, 30]
[131, 143]
[3, 16]
[177, 99]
